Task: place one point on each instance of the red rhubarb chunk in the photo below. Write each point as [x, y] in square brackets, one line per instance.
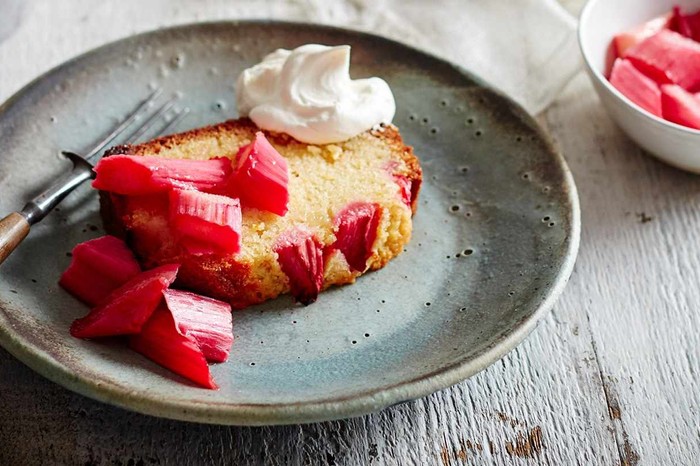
[206, 221]
[680, 106]
[688, 25]
[404, 185]
[408, 188]
[207, 321]
[162, 342]
[300, 256]
[640, 89]
[98, 267]
[153, 204]
[668, 57]
[135, 175]
[128, 307]
[355, 231]
[628, 39]
[260, 178]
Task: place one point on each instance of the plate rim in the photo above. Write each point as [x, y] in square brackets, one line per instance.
[214, 412]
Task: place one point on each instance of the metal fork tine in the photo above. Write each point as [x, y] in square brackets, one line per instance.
[123, 125]
[148, 124]
[176, 119]
[18, 223]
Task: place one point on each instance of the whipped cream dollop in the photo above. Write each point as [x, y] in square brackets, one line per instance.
[307, 93]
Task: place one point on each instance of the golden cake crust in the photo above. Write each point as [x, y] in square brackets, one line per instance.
[254, 275]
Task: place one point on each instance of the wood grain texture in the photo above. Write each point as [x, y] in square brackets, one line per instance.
[13, 229]
[642, 262]
[540, 404]
[610, 377]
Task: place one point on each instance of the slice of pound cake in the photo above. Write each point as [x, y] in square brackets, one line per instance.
[346, 208]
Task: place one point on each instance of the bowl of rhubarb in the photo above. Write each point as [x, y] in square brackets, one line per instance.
[643, 58]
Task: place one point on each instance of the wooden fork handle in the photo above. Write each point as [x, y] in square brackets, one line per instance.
[13, 229]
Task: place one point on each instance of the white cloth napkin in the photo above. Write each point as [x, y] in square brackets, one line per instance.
[527, 48]
[10, 14]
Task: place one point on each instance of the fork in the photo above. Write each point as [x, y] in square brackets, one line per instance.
[15, 226]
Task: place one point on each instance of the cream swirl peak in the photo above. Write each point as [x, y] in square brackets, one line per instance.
[307, 93]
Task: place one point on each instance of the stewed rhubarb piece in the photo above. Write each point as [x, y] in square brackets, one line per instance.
[128, 307]
[260, 178]
[408, 189]
[688, 25]
[355, 231]
[668, 57]
[206, 222]
[680, 106]
[136, 175]
[640, 89]
[207, 321]
[161, 341]
[155, 203]
[404, 185]
[300, 256]
[98, 267]
[623, 41]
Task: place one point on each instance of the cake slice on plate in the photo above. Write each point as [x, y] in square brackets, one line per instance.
[349, 210]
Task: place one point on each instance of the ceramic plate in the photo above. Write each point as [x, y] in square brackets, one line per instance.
[494, 242]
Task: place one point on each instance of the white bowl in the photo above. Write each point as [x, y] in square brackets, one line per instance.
[600, 21]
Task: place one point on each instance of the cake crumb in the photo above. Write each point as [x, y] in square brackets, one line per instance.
[332, 152]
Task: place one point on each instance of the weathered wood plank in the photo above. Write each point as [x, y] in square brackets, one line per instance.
[641, 261]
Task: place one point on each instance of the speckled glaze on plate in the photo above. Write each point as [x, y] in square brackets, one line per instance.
[495, 236]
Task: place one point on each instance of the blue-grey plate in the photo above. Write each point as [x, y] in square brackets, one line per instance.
[495, 236]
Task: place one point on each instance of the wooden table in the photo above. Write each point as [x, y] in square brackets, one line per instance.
[611, 376]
